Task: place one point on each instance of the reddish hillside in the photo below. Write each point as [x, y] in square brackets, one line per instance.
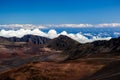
[109, 72]
[52, 71]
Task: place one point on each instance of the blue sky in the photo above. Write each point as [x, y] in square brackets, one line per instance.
[59, 11]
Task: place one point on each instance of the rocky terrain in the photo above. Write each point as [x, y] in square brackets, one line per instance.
[38, 58]
[77, 50]
[28, 38]
[109, 72]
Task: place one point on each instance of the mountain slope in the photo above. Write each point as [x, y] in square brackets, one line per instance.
[109, 72]
[63, 43]
[51, 71]
[77, 50]
[28, 38]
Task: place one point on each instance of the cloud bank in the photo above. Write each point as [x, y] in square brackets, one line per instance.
[109, 25]
[51, 34]
[24, 26]
[20, 30]
[32, 26]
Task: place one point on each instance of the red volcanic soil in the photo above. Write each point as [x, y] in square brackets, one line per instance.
[3, 55]
[109, 72]
[73, 70]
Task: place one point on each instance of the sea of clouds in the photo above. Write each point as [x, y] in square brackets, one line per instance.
[32, 26]
[51, 34]
[20, 30]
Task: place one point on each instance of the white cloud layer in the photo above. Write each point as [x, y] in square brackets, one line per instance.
[23, 26]
[24, 29]
[31, 26]
[109, 25]
[50, 34]
[71, 25]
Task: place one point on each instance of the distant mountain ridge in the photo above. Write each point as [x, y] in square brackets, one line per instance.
[28, 38]
[71, 48]
[63, 43]
[75, 49]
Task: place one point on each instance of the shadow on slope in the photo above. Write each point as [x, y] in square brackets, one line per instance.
[109, 72]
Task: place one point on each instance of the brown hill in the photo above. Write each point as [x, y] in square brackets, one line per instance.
[63, 43]
[76, 50]
[73, 70]
[109, 72]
